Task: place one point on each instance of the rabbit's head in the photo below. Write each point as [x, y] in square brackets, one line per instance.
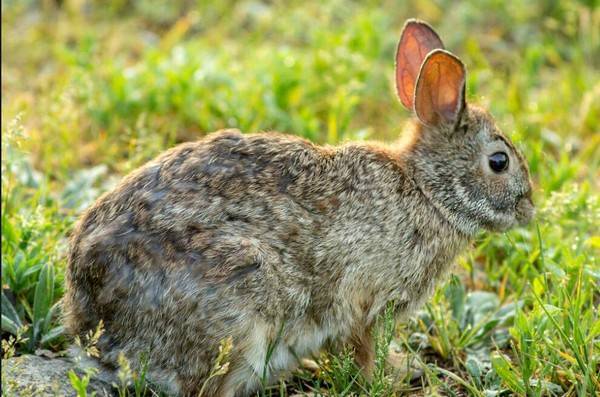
[463, 163]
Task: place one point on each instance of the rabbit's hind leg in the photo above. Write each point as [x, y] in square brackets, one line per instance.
[240, 380]
[364, 349]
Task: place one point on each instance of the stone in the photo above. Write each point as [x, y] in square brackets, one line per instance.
[30, 375]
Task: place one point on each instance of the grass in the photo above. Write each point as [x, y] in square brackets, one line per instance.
[92, 90]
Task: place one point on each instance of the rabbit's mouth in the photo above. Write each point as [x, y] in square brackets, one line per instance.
[525, 211]
[518, 215]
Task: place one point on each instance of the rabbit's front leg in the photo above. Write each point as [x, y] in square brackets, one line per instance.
[364, 349]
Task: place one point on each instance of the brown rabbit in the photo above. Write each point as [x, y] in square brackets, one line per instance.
[279, 243]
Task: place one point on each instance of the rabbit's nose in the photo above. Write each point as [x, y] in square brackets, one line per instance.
[525, 210]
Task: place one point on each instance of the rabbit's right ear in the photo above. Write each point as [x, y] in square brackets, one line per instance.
[417, 40]
[440, 91]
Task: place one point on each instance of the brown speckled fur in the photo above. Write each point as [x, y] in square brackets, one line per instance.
[269, 238]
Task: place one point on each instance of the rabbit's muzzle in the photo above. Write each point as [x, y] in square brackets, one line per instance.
[525, 210]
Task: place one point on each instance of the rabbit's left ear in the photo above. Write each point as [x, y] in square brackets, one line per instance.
[440, 89]
[417, 40]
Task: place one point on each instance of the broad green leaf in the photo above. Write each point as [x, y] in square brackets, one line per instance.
[474, 368]
[9, 311]
[489, 326]
[507, 312]
[455, 294]
[51, 314]
[481, 303]
[52, 334]
[43, 299]
[31, 269]
[9, 326]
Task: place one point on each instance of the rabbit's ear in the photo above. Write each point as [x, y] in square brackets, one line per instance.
[440, 90]
[418, 39]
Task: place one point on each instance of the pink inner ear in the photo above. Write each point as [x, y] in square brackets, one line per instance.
[440, 88]
[447, 102]
[417, 40]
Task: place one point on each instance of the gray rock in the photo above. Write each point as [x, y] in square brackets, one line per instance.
[31, 375]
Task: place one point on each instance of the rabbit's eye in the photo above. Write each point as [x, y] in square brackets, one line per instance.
[498, 162]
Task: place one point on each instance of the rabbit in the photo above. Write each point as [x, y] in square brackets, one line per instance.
[287, 247]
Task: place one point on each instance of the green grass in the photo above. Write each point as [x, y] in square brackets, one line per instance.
[92, 90]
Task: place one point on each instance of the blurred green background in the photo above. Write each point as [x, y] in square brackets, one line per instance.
[93, 89]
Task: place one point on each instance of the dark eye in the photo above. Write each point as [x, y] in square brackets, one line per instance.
[498, 162]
